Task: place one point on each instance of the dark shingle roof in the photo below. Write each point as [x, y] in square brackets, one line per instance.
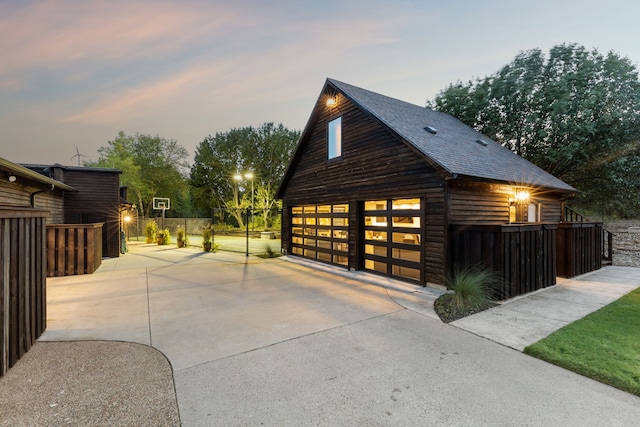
[454, 146]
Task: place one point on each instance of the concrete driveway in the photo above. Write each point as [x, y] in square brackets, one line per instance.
[271, 342]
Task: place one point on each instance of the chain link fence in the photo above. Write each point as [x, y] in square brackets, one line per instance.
[232, 230]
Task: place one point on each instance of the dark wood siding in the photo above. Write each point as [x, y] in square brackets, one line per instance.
[478, 203]
[97, 201]
[484, 203]
[435, 236]
[375, 164]
[551, 211]
[14, 194]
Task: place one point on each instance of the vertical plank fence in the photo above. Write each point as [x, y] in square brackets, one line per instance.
[73, 249]
[524, 256]
[580, 247]
[22, 282]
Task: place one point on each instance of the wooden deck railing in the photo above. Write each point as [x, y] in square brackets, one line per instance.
[22, 282]
[523, 255]
[73, 249]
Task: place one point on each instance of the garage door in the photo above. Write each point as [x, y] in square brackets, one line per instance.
[320, 232]
[393, 231]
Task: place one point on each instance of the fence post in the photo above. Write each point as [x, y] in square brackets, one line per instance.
[247, 223]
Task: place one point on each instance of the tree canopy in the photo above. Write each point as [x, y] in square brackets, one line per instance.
[264, 151]
[574, 112]
[151, 166]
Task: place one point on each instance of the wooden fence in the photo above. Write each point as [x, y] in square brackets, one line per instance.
[73, 249]
[22, 282]
[580, 247]
[524, 256]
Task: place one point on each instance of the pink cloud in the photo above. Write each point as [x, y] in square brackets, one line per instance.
[55, 33]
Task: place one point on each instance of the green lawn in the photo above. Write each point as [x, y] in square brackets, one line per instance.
[604, 345]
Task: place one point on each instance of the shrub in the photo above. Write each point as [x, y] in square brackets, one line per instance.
[472, 290]
[181, 236]
[206, 234]
[164, 237]
[472, 287]
[150, 231]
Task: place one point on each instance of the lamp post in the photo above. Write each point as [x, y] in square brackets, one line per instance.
[249, 175]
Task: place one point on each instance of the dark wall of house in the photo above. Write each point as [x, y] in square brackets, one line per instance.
[483, 203]
[374, 165]
[97, 200]
[19, 194]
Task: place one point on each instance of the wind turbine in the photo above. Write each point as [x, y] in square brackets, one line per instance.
[78, 155]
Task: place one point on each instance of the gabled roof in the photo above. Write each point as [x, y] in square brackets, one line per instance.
[457, 148]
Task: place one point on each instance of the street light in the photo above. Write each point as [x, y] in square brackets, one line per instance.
[249, 176]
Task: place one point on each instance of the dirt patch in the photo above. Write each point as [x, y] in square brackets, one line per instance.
[89, 383]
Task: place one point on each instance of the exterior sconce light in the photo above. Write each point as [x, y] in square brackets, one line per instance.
[521, 196]
[332, 101]
[12, 178]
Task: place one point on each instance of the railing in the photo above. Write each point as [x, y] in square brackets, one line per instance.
[73, 249]
[524, 256]
[22, 282]
[606, 236]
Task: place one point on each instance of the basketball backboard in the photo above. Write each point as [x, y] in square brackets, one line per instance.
[161, 203]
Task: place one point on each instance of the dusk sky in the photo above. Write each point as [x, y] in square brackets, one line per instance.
[78, 72]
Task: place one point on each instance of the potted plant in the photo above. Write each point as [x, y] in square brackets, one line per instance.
[163, 237]
[206, 238]
[150, 230]
[181, 236]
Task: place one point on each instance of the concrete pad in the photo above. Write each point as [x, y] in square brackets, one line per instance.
[114, 318]
[510, 328]
[199, 324]
[273, 342]
[399, 369]
[110, 306]
[544, 306]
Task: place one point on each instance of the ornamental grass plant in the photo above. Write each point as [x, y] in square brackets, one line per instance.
[471, 289]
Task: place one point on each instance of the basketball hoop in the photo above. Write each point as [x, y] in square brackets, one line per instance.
[161, 204]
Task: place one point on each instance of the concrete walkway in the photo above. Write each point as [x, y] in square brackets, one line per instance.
[525, 320]
[271, 342]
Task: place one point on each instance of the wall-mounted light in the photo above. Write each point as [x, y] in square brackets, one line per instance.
[521, 196]
[12, 178]
[331, 99]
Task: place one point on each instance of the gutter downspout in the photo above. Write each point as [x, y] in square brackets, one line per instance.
[33, 195]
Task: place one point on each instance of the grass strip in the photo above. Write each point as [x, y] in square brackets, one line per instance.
[605, 345]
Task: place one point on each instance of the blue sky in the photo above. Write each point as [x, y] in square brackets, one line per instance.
[78, 72]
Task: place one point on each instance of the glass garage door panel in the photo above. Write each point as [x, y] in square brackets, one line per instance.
[320, 232]
[393, 231]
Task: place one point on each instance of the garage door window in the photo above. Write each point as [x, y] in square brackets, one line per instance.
[393, 232]
[324, 234]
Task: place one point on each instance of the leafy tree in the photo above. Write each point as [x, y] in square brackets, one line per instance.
[575, 113]
[151, 167]
[264, 151]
